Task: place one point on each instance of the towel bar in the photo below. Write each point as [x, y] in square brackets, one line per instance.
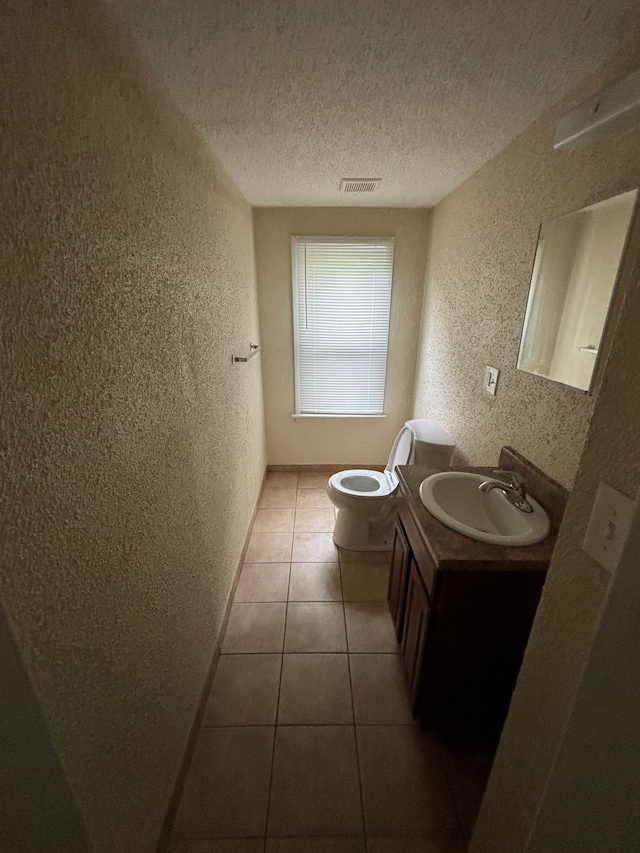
[253, 349]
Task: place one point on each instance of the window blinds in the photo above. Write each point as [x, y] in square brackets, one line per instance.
[341, 300]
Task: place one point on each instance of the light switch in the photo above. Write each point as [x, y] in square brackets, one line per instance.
[608, 527]
[490, 379]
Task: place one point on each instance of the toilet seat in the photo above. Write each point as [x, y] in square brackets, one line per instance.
[364, 484]
[373, 485]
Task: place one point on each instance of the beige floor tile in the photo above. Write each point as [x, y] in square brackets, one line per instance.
[274, 521]
[227, 788]
[446, 844]
[244, 691]
[314, 548]
[313, 498]
[281, 480]
[468, 773]
[269, 548]
[255, 628]
[380, 694]
[278, 498]
[315, 626]
[220, 845]
[315, 582]
[313, 479]
[315, 520]
[365, 558]
[263, 582]
[364, 583]
[404, 788]
[315, 690]
[369, 628]
[315, 788]
[315, 845]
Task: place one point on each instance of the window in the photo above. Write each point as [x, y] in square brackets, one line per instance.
[341, 301]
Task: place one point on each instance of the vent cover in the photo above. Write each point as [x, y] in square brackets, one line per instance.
[359, 185]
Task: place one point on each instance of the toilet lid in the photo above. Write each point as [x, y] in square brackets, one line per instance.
[401, 450]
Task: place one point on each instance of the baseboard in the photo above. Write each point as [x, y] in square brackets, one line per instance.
[236, 577]
[319, 469]
[176, 794]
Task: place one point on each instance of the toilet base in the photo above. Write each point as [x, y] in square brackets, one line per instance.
[355, 532]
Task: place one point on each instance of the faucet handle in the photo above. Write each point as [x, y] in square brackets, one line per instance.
[511, 477]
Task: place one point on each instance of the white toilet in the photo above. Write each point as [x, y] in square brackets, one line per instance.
[366, 499]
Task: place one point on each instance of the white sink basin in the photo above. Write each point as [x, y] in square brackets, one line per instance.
[454, 498]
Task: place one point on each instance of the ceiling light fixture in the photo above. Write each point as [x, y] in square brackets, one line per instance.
[614, 109]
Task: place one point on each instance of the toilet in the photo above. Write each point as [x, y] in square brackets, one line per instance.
[366, 499]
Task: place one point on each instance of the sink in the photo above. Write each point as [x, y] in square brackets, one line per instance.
[454, 498]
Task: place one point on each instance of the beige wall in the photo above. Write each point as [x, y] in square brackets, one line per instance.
[518, 809]
[524, 774]
[132, 450]
[591, 803]
[332, 440]
[37, 810]
[481, 252]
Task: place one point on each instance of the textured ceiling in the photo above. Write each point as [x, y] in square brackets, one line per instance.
[294, 95]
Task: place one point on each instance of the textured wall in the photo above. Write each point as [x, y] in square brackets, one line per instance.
[330, 440]
[591, 802]
[567, 618]
[525, 775]
[481, 253]
[37, 810]
[132, 451]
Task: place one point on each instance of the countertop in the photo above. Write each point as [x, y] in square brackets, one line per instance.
[452, 550]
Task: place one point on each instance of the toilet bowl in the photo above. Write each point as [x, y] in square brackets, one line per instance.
[366, 499]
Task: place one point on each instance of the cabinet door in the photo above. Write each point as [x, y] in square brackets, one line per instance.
[398, 578]
[414, 639]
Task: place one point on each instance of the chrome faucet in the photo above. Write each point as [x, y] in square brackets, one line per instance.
[512, 485]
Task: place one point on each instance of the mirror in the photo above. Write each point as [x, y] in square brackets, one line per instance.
[572, 285]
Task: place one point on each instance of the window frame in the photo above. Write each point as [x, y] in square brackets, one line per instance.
[342, 239]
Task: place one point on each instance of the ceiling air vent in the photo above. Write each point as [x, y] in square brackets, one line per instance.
[359, 185]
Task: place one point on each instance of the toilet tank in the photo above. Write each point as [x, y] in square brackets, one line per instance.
[432, 445]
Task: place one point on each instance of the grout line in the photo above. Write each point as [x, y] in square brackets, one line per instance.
[325, 652]
[377, 725]
[275, 731]
[353, 710]
[355, 734]
[464, 831]
[287, 602]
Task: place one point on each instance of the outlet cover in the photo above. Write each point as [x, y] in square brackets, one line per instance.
[608, 527]
[490, 379]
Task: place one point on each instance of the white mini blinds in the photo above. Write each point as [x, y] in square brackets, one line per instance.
[341, 300]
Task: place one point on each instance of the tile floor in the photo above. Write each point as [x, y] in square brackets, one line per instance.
[308, 744]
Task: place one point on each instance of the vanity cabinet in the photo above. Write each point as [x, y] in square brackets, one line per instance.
[398, 578]
[414, 636]
[462, 611]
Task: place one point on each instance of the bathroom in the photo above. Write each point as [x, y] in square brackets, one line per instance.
[135, 268]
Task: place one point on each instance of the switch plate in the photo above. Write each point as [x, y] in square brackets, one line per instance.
[490, 379]
[608, 527]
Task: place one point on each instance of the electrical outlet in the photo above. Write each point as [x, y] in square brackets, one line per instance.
[608, 527]
[490, 379]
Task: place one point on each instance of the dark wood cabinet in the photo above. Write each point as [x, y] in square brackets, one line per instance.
[398, 579]
[414, 637]
[462, 611]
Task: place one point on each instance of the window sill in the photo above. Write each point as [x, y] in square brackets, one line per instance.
[339, 417]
